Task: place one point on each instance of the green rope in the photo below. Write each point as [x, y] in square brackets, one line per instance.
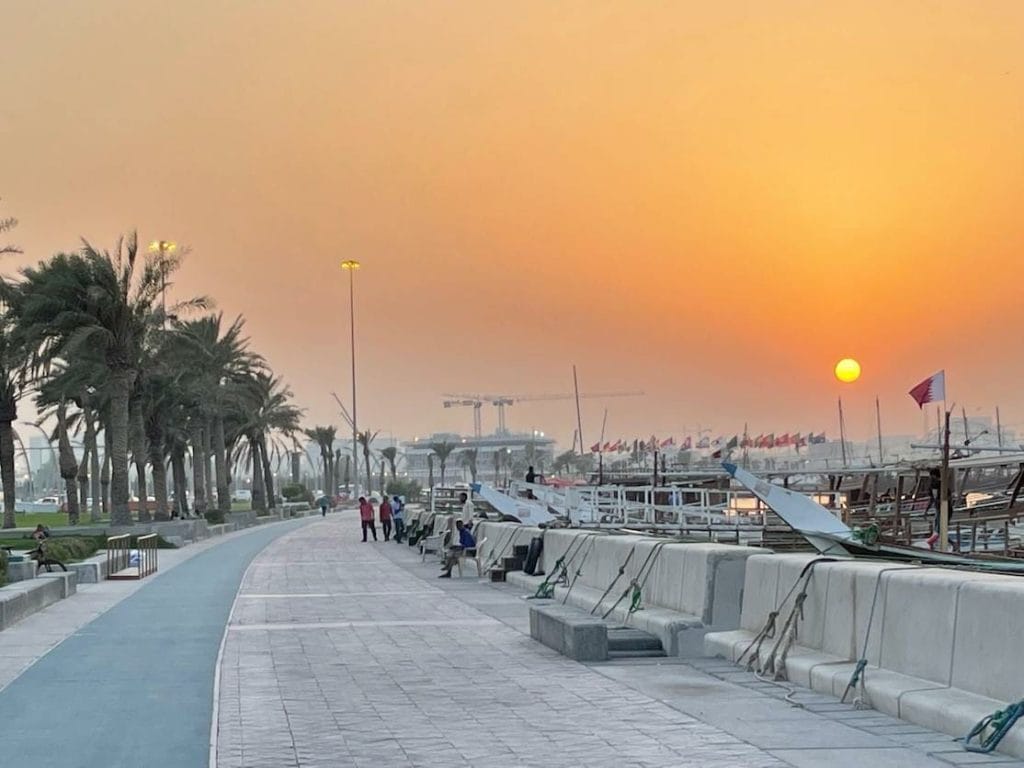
[867, 535]
[635, 605]
[991, 729]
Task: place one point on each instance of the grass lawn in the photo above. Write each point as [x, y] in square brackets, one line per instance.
[50, 519]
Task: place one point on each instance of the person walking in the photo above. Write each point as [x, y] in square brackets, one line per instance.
[398, 513]
[385, 518]
[323, 502]
[366, 516]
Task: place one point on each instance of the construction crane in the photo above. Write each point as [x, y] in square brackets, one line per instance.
[476, 404]
[503, 401]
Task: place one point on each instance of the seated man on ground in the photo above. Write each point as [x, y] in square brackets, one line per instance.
[467, 545]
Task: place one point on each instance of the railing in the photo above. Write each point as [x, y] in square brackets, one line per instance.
[123, 562]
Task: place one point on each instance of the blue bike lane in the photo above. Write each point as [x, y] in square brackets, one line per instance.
[134, 687]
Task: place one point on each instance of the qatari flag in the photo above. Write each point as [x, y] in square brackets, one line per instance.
[931, 390]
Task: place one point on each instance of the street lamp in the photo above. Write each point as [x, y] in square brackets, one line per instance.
[163, 247]
[350, 266]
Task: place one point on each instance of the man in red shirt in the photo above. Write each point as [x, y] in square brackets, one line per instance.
[366, 516]
[385, 518]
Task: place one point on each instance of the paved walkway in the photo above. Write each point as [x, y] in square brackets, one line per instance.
[120, 675]
[341, 653]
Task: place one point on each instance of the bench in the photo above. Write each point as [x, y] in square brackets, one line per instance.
[569, 631]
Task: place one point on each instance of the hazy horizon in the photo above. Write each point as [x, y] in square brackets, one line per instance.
[712, 204]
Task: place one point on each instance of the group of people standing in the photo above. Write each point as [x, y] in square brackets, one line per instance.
[390, 510]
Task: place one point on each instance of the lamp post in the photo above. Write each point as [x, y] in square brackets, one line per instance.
[350, 266]
[163, 247]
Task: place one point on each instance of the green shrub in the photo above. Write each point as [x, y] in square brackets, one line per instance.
[296, 492]
[214, 516]
[69, 549]
[409, 489]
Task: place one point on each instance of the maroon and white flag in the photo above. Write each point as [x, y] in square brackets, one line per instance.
[931, 390]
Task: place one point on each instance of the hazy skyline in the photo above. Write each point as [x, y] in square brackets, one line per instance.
[712, 204]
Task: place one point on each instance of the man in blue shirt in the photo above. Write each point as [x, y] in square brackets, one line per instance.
[466, 544]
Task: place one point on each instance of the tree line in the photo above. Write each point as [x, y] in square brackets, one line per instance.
[86, 336]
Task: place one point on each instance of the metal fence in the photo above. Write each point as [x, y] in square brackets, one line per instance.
[124, 562]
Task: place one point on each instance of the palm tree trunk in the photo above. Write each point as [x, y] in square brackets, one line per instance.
[105, 505]
[7, 470]
[211, 478]
[383, 469]
[92, 445]
[369, 469]
[259, 499]
[325, 457]
[156, 460]
[83, 481]
[221, 460]
[180, 479]
[296, 467]
[138, 440]
[120, 391]
[268, 475]
[199, 466]
[68, 464]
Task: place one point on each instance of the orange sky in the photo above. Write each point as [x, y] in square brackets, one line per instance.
[708, 201]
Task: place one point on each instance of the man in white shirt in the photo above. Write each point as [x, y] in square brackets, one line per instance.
[467, 508]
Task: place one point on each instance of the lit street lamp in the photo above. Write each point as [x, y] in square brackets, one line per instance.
[163, 247]
[350, 266]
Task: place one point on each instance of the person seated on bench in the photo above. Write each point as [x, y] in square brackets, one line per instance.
[466, 545]
[41, 532]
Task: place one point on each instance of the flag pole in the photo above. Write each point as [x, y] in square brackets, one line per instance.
[842, 431]
[878, 417]
[579, 417]
[600, 454]
[944, 491]
[999, 429]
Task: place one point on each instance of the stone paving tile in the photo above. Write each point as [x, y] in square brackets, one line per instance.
[380, 671]
[349, 654]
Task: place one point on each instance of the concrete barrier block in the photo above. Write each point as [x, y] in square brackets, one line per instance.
[21, 570]
[851, 590]
[954, 712]
[989, 628]
[727, 645]
[801, 663]
[88, 571]
[729, 576]
[67, 582]
[570, 632]
[667, 580]
[759, 591]
[917, 627]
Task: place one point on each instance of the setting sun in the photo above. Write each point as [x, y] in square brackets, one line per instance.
[848, 370]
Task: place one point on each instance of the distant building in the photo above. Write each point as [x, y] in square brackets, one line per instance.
[498, 457]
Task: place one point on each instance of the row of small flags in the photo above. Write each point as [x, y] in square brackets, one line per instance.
[736, 441]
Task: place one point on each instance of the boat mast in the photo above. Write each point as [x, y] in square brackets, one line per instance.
[878, 417]
[842, 431]
[944, 491]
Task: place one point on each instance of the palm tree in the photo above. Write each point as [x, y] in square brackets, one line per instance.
[324, 439]
[10, 392]
[265, 403]
[469, 457]
[103, 302]
[390, 455]
[219, 357]
[365, 439]
[11, 389]
[442, 450]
